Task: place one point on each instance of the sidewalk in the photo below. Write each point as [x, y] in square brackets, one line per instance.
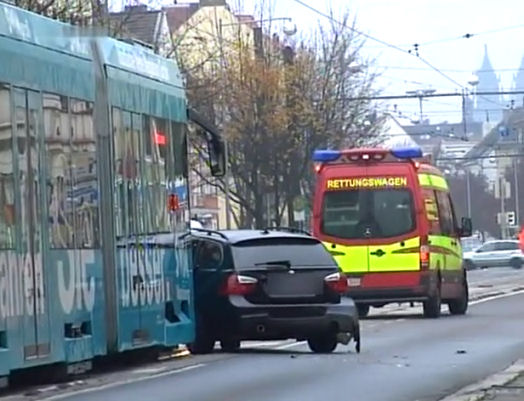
[512, 391]
[507, 385]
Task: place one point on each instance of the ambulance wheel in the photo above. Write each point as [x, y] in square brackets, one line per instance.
[459, 306]
[363, 310]
[323, 344]
[432, 305]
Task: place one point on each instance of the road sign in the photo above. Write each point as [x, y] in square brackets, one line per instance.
[502, 189]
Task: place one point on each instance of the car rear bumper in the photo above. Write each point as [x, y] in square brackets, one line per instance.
[387, 287]
[257, 322]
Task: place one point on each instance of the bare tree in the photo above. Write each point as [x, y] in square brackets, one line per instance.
[76, 12]
[276, 103]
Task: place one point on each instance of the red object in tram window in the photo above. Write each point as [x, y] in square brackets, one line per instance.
[160, 138]
[173, 203]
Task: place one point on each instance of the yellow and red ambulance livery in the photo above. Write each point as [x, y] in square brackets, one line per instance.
[388, 219]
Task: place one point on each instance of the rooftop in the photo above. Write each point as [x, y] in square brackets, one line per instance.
[137, 22]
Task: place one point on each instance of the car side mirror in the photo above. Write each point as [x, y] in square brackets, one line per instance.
[466, 228]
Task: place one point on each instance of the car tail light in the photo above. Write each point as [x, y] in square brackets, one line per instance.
[424, 254]
[338, 282]
[237, 284]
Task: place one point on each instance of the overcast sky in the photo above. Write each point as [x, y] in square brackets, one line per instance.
[498, 24]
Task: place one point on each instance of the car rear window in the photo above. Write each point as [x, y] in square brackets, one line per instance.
[258, 253]
[365, 213]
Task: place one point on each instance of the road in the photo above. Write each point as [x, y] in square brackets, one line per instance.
[404, 357]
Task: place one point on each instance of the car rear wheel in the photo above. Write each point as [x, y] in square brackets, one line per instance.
[363, 310]
[433, 304]
[230, 345]
[323, 344]
[469, 265]
[204, 343]
[459, 306]
[516, 263]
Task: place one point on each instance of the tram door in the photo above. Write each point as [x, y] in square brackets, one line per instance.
[28, 139]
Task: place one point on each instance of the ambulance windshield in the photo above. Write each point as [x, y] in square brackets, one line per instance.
[368, 213]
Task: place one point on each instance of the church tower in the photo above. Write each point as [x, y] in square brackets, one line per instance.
[488, 108]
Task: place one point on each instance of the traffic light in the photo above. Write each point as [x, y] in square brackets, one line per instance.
[510, 219]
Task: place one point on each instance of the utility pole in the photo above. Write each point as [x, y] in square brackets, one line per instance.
[420, 94]
[468, 189]
[502, 207]
[516, 178]
[464, 115]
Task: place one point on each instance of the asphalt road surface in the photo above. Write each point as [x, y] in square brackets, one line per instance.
[403, 358]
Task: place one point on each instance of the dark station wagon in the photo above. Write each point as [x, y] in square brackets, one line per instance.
[271, 284]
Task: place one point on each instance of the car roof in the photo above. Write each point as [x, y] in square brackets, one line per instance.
[497, 241]
[236, 236]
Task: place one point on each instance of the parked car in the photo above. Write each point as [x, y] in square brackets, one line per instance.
[269, 285]
[496, 253]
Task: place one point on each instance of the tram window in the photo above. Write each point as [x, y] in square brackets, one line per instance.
[179, 149]
[118, 141]
[85, 192]
[157, 137]
[7, 208]
[59, 178]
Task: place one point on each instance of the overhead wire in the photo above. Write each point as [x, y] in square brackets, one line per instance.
[387, 44]
[470, 35]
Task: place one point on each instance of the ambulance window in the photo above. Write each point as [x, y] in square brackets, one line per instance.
[447, 223]
[432, 212]
[393, 210]
[360, 214]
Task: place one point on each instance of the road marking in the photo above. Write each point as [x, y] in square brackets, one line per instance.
[477, 391]
[255, 345]
[479, 301]
[124, 382]
[498, 296]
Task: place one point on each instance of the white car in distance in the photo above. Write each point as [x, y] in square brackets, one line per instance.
[494, 254]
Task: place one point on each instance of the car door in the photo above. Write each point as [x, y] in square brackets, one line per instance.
[208, 262]
[506, 251]
[28, 106]
[449, 243]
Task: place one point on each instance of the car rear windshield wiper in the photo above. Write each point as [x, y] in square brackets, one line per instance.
[276, 263]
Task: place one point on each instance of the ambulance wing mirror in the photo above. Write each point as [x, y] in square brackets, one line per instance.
[466, 227]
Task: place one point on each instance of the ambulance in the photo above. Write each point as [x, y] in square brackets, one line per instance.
[387, 217]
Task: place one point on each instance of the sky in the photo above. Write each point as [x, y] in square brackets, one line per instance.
[497, 24]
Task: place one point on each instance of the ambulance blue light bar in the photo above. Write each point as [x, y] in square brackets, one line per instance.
[326, 155]
[407, 153]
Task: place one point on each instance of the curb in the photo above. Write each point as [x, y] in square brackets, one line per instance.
[477, 391]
